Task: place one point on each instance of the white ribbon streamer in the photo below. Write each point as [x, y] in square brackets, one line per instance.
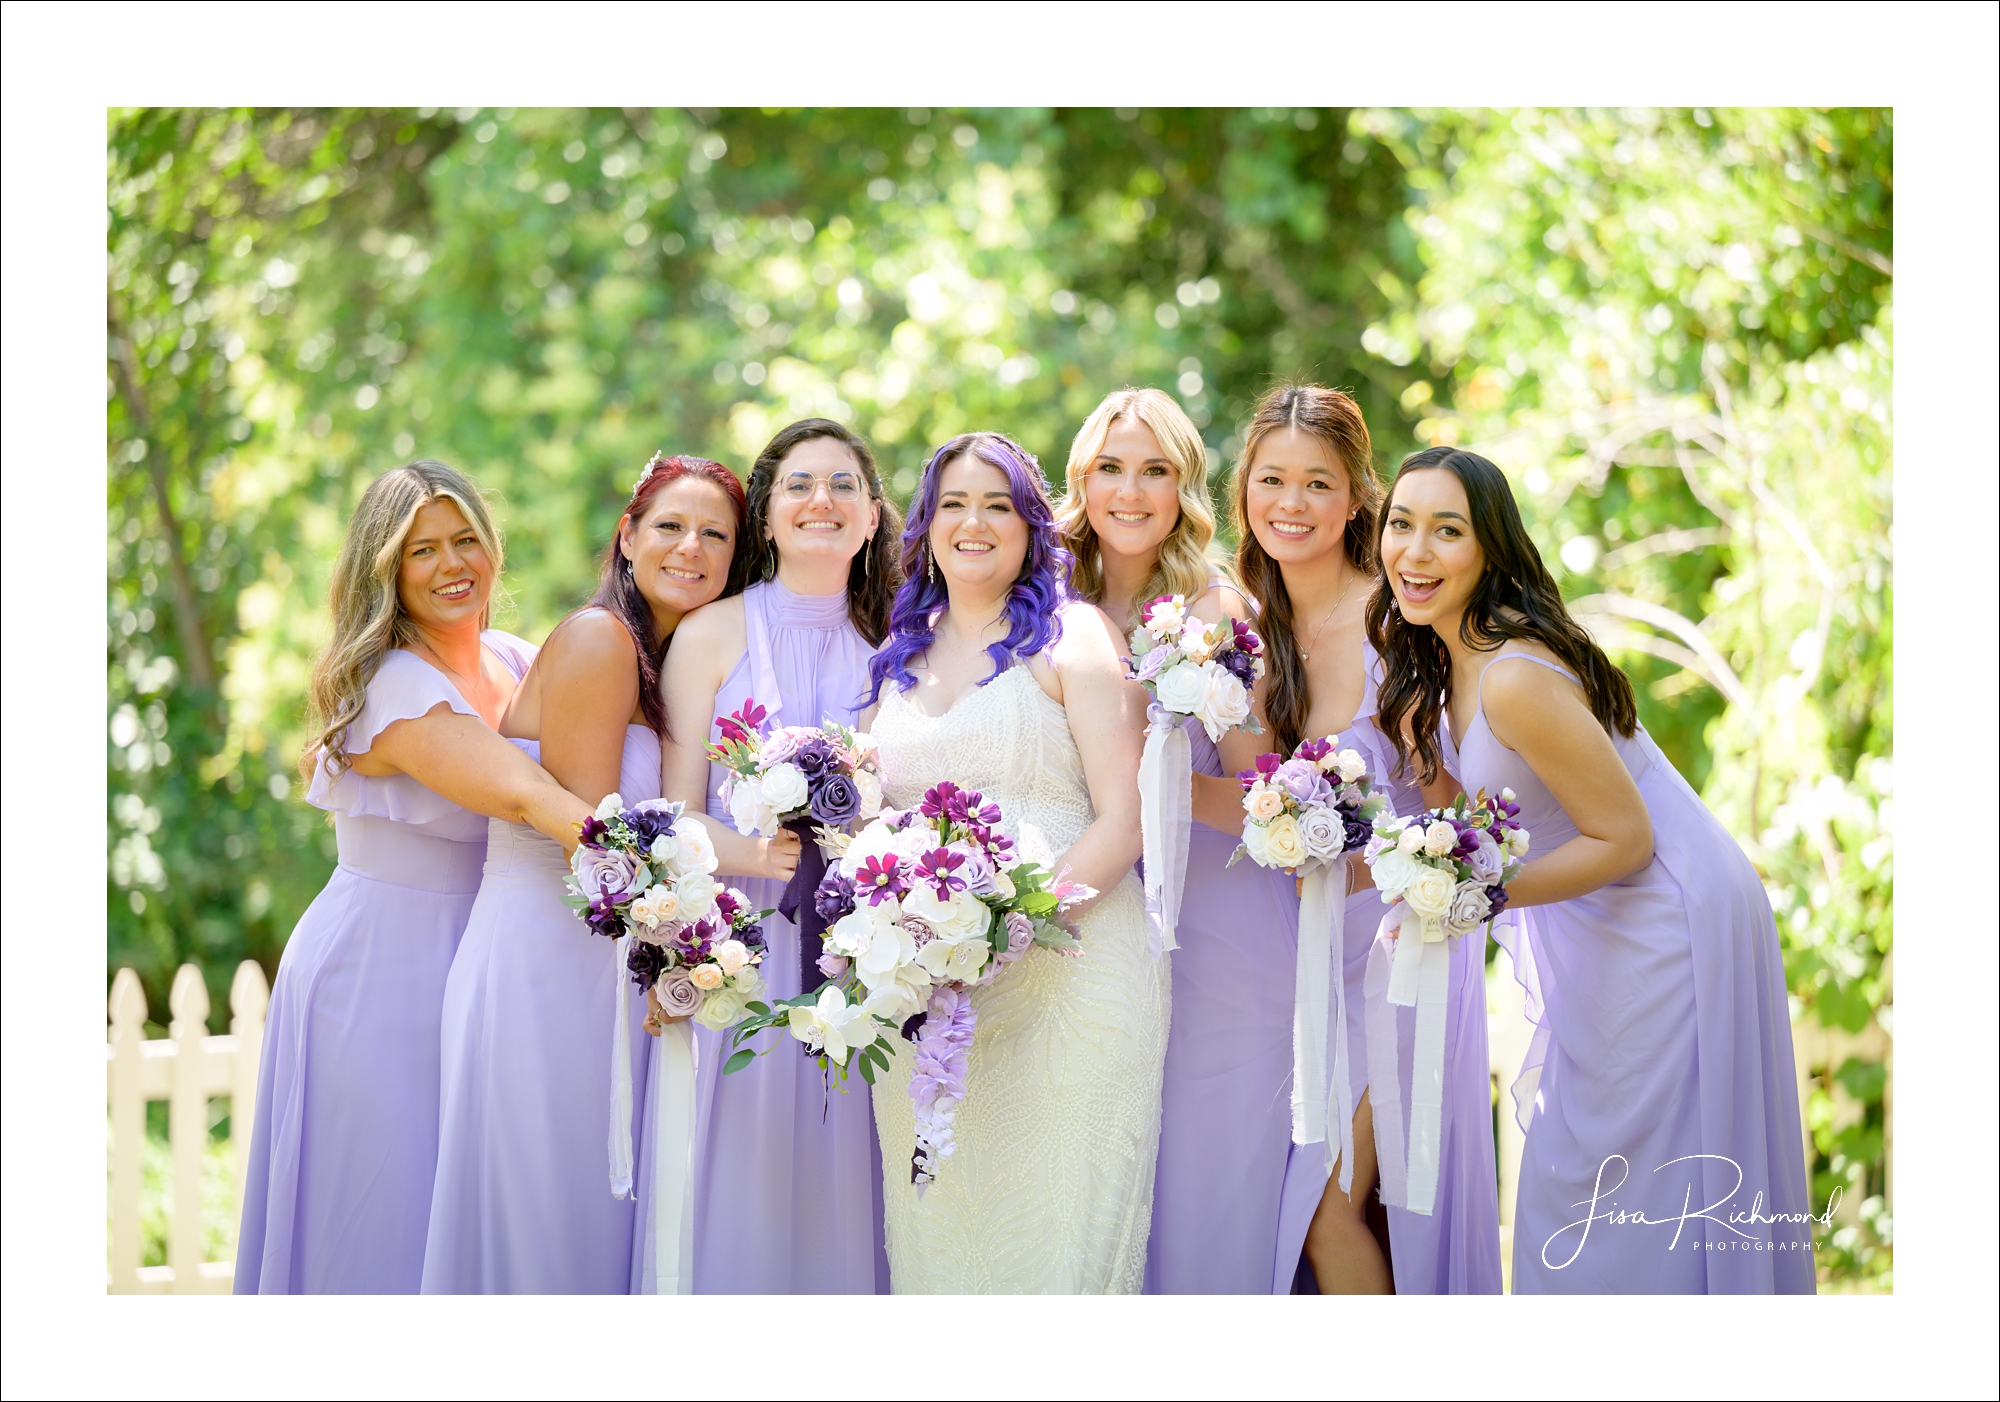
[621, 1077]
[1166, 817]
[673, 1167]
[1417, 975]
[1321, 1113]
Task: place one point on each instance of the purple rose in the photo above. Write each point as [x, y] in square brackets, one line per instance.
[1303, 781]
[1486, 859]
[814, 755]
[1496, 899]
[834, 898]
[1020, 934]
[645, 962]
[1149, 667]
[603, 873]
[779, 747]
[677, 994]
[919, 929]
[1240, 665]
[1359, 832]
[978, 869]
[835, 799]
[649, 819]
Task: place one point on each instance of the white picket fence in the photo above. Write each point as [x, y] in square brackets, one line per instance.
[188, 1066]
[184, 1069]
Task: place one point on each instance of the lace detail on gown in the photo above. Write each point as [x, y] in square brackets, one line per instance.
[1051, 1187]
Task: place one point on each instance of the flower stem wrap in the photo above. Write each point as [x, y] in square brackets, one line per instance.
[1408, 968]
[1321, 1113]
[1166, 817]
[796, 904]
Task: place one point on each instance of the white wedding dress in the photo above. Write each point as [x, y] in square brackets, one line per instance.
[1050, 1189]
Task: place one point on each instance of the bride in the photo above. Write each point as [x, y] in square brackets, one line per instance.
[991, 680]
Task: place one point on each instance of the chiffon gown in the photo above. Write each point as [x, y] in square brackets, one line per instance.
[1050, 1188]
[338, 1193]
[523, 1202]
[787, 1179]
[1661, 1058]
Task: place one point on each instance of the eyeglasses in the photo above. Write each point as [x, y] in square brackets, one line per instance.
[841, 486]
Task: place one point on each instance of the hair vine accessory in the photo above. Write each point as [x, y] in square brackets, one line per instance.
[647, 471]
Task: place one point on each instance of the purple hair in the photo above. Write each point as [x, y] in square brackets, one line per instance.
[1039, 591]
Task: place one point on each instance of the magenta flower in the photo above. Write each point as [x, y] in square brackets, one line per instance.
[938, 866]
[881, 878]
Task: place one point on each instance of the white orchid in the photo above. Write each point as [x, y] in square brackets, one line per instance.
[833, 1025]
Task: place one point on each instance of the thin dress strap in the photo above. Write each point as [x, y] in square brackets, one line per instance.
[1556, 667]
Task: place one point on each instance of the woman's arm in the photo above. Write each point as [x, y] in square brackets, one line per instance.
[464, 759]
[1107, 718]
[707, 645]
[589, 690]
[1541, 716]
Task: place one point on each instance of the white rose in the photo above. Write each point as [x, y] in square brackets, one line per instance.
[1181, 688]
[1283, 841]
[610, 808]
[656, 907]
[1194, 641]
[895, 1001]
[1257, 843]
[870, 789]
[697, 852]
[1411, 839]
[1394, 870]
[1440, 838]
[747, 982]
[1429, 895]
[696, 892]
[723, 1008]
[732, 955]
[960, 917]
[748, 810]
[912, 842]
[1226, 704]
[664, 849]
[1003, 885]
[784, 788]
[1350, 766]
[1167, 618]
[1263, 802]
[875, 840]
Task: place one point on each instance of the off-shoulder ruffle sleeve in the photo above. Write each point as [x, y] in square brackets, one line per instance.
[405, 687]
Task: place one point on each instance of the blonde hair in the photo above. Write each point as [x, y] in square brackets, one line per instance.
[1183, 566]
[368, 615]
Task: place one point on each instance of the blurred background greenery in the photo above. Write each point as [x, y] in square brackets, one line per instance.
[1673, 329]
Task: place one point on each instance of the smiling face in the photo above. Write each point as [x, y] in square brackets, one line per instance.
[1132, 492]
[1430, 556]
[820, 510]
[446, 576]
[977, 537]
[680, 548]
[1297, 497]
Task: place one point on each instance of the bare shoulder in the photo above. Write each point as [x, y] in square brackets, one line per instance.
[1524, 693]
[1088, 635]
[592, 639]
[1219, 601]
[708, 641]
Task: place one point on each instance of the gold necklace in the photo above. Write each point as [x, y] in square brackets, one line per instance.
[1305, 653]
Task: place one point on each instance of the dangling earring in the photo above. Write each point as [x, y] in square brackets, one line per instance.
[932, 559]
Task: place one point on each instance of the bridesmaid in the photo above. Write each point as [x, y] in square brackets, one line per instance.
[406, 696]
[522, 1203]
[1138, 521]
[787, 1176]
[1660, 1081]
[1306, 506]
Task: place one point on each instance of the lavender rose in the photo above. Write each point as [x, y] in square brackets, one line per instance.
[1020, 934]
[780, 747]
[1324, 833]
[1303, 781]
[978, 869]
[1469, 906]
[677, 994]
[1485, 859]
[833, 965]
[603, 873]
[919, 929]
[835, 799]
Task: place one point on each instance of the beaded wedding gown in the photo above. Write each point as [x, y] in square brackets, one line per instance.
[1050, 1189]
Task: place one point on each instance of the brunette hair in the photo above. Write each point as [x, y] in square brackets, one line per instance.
[873, 575]
[1034, 607]
[1515, 598]
[368, 615]
[1183, 566]
[1332, 416]
[618, 592]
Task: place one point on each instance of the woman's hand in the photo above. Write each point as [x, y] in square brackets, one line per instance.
[657, 1017]
[778, 857]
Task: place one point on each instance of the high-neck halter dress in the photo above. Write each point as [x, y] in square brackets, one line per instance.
[787, 1176]
[1660, 1073]
[337, 1199]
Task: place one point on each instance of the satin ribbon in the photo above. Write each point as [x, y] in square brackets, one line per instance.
[1166, 816]
[1417, 974]
[797, 904]
[621, 1076]
[1322, 1113]
[673, 1167]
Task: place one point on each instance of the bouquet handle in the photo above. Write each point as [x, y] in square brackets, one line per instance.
[1321, 1113]
[797, 904]
[1166, 816]
[672, 1227]
[1416, 974]
[621, 1076]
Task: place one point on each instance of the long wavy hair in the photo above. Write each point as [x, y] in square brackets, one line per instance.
[1515, 598]
[1332, 416]
[1040, 589]
[368, 614]
[618, 592]
[874, 573]
[1183, 566]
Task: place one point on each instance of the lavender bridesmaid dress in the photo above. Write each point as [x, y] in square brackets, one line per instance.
[338, 1193]
[523, 1202]
[787, 1173]
[1660, 1074]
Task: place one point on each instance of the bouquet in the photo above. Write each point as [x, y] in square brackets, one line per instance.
[1448, 869]
[921, 907]
[1302, 815]
[1189, 670]
[643, 876]
[815, 780]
